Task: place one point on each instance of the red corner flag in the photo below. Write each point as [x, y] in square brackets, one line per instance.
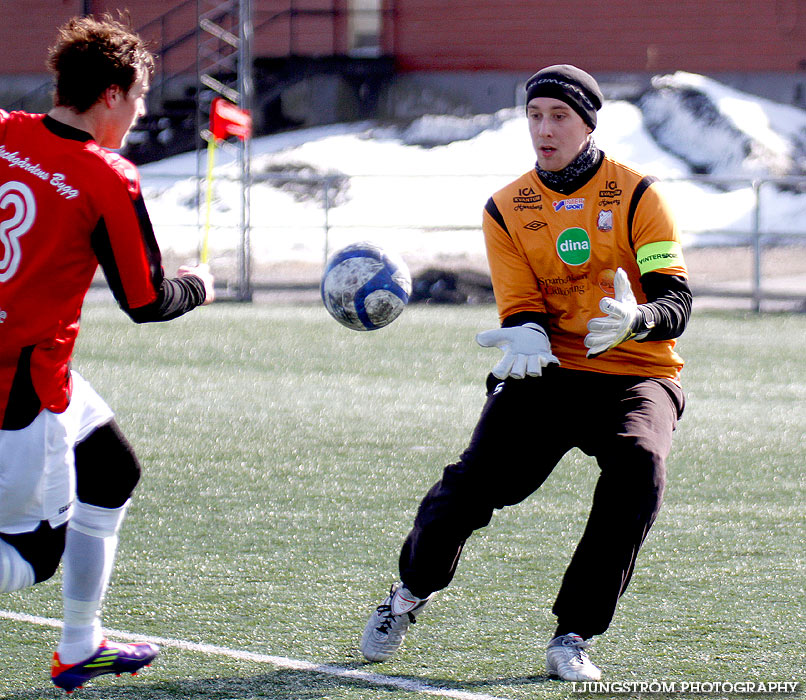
[228, 120]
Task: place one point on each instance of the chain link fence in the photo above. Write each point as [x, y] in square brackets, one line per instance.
[744, 239]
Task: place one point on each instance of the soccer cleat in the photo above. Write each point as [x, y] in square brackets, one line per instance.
[387, 626]
[567, 659]
[110, 657]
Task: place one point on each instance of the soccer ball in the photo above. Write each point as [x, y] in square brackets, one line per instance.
[364, 287]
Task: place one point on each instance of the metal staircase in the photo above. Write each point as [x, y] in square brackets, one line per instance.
[200, 45]
[205, 52]
[196, 38]
[224, 68]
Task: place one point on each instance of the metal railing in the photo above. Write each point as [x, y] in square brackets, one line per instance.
[316, 214]
[761, 231]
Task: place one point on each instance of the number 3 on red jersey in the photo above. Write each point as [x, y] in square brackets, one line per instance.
[19, 196]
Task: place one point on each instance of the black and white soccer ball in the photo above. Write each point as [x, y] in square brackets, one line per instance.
[364, 287]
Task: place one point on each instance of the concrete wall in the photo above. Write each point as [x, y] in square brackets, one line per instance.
[466, 92]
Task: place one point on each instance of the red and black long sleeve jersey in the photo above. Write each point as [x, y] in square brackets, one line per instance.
[66, 206]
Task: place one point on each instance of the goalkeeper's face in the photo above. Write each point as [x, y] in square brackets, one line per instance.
[558, 133]
[126, 109]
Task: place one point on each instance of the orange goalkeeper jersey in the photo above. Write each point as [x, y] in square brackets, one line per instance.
[557, 254]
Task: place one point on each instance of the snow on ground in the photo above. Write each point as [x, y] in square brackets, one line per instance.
[425, 201]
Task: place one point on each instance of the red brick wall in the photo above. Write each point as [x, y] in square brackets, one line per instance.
[309, 34]
[26, 51]
[27, 29]
[312, 32]
[602, 35]
[705, 36]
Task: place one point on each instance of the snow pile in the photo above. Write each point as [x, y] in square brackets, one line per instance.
[435, 130]
[735, 134]
[420, 189]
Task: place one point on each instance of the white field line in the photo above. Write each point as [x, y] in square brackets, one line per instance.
[277, 661]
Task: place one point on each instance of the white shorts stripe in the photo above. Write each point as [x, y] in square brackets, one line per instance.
[37, 475]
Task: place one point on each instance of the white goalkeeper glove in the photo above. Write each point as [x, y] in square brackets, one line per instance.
[621, 321]
[526, 350]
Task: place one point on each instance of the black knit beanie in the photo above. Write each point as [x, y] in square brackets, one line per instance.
[571, 85]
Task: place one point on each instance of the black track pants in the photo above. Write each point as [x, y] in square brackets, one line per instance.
[525, 428]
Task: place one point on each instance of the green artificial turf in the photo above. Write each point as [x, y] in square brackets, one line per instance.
[284, 457]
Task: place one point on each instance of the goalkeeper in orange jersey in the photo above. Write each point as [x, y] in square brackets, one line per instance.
[591, 288]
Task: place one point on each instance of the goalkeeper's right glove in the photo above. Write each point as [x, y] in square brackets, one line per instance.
[526, 350]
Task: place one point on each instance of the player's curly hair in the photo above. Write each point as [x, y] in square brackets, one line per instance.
[91, 55]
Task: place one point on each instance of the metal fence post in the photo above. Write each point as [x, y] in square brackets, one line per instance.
[326, 204]
[757, 247]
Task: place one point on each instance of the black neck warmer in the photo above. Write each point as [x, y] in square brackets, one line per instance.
[576, 173]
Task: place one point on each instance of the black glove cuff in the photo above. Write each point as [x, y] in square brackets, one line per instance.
[643, 324]
[524, 317]
[537, 328]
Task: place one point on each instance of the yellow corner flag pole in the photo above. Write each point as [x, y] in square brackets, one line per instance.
[211, 143]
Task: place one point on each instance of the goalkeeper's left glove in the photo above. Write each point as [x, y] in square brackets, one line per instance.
[623, 321]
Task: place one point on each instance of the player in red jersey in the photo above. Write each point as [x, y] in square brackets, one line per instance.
[67, 205]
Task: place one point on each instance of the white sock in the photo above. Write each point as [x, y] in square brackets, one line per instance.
[89, 554]
[15, 572]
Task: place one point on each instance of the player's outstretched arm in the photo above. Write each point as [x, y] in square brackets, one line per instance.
[191, 288]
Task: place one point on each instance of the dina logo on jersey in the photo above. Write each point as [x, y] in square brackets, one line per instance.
[574, 246]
